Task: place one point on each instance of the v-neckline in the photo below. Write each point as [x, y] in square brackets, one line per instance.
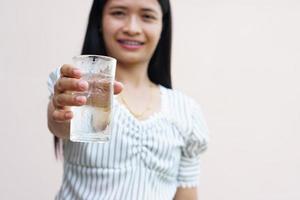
[151, 117]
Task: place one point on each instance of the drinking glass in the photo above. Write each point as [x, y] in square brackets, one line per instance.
[92, 121]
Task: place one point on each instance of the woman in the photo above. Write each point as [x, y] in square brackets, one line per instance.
[157, 134]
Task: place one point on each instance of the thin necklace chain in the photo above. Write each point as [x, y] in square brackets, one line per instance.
[148, 107]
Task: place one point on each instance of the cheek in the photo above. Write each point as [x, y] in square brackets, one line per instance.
[155, 34]
[110, 27]
[106, 31]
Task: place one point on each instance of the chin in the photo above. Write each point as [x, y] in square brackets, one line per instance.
[132, 58]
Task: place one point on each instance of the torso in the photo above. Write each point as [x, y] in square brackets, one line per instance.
[139, 162]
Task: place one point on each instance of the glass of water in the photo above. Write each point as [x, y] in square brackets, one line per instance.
[92, 121]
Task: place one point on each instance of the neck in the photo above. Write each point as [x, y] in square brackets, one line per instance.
[133, 75]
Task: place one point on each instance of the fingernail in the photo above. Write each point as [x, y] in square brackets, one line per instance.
[77, 72]
[80, 99]
[68, 115]
[83, 85]
[121, 84]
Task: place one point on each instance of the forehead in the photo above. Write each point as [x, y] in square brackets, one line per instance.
[135, 4]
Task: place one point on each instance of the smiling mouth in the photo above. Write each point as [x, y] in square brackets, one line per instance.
[130, 43]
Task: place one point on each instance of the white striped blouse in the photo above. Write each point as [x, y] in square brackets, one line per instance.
[143, 160]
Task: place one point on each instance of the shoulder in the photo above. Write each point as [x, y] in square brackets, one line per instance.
[186, 114]
[181, 108]
[178, 100]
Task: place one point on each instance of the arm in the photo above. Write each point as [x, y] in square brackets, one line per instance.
[59, 113]
[186, 194]
[195, 143]
[59, 129]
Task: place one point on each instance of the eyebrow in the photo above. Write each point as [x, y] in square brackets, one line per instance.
[149, 10]
[118, 7]
[125, 8]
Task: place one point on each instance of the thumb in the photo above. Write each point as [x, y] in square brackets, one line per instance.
[118, 87]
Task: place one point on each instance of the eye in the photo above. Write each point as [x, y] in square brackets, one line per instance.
[148, 18]
[118, 13]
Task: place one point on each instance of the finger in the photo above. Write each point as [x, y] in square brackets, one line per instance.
[64, 99]
[62, 115]
[70, 71]
[118, 87]
[70, 84]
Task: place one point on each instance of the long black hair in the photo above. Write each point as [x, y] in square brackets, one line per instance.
[159, 69]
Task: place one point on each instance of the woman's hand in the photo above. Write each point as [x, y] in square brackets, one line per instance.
[59, 112]
[62, 99]
[68, 83]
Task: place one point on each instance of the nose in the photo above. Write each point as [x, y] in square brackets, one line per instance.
[132, 26]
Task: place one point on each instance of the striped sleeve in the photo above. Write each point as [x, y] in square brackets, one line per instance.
[195, 144]
[53, 76]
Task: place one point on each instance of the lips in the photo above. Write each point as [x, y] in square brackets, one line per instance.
[130, 44]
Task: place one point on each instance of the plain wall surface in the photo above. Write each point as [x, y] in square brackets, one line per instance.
[239, 59]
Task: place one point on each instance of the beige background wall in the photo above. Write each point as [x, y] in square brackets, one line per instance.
[240, 59]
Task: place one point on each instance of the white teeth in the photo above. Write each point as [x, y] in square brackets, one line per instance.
[130, 42]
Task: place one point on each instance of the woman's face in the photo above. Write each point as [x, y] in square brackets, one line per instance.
[131, 29]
